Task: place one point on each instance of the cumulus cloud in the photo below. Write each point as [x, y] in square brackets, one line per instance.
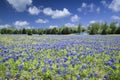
[115, 17]
[75, 18]
[34, 10]
[98, 9]
[56, 13]
[86, 7]
[91, 6]
[93, 21]
[79, 9]
[115, 5]
[21, 23]
[70, 25]
[20, 5]
[53, 26]
[104, 3]
[4, 26]
[42, 21]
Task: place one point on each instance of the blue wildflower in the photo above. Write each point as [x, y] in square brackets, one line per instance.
[84, 66]
[30, 69]
[44, 69]
[8, 75]
[77, 76]
[18, 75]
[0, 78]
[33, 78]
[113, 67]
[21, 67]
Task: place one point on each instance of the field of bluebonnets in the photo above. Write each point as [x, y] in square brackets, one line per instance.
[52, 57]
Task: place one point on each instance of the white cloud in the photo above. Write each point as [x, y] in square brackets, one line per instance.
[53, 26]
[20, 5]
[42, 21]
[115, 17]
[115, 5]
[48, 11]
[75, 18]
[93, 21]
[56, 13]
[70, 25]
[91, 6]
[98, 9]
[104, 3]
[34, 10]
[4, 26]
[79, 9]
[21, 23]
[84, 5]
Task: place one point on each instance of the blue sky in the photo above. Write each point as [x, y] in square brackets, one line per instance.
[55, 13]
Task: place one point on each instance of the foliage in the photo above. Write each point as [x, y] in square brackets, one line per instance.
[79, 28]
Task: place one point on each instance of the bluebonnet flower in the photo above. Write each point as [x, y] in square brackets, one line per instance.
[9, 68]
[58, 60]
[30, 69]
[44, 69]
[65, 65]
[90, 76]
[37, 65]
[18, 75]
[113, 67]
[84, 66]
[0, 78]
[33, 78]
[70, 79]
[110, 72]
[6, 64]
[108, 63]
[21, 67]
[51, 68]
[105, 77]
[50, 62]
[65, 71]
[112, 60]
[77, 76]
[8, 75]
[58, 71]
[72, 63]
[95, 74]
[119, 60]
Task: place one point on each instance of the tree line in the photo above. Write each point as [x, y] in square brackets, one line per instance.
[93, 28]
[104, 28]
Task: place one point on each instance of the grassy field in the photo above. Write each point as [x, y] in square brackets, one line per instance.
[63, 57]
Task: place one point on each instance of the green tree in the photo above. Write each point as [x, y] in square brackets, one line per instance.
[34, 31]
[16, 32]
[104, 28]
[4, 31]
[108, 31]
[40, 31]
[54, 31]
[79, 28]
[29, 32]
[24, 31]
[94, 28]
[66, 30]
[113, 27]
[118, 30]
